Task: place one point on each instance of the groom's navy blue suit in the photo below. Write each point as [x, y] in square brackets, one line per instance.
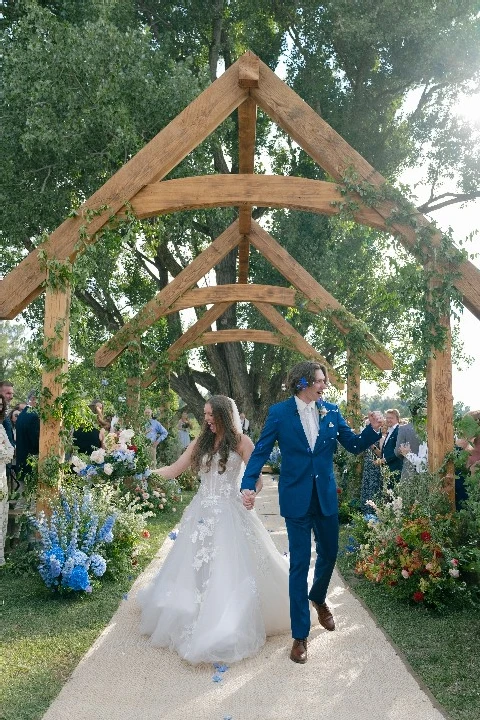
[307, 494]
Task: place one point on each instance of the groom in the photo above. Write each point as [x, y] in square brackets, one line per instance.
[307, 429]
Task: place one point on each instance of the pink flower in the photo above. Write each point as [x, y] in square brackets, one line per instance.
[454, 572]
[454, 562]
[405, 573]
[145, 534]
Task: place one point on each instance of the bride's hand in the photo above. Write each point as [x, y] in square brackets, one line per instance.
[248, 499]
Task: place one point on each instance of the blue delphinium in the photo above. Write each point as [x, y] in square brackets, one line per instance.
[69, 543]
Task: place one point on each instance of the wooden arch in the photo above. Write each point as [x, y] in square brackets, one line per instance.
[248, 83]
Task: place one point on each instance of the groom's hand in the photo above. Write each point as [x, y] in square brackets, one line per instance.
[248, 499]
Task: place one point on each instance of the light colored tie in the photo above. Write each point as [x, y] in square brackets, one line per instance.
[311, 425]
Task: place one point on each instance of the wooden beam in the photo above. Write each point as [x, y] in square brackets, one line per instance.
[56, 337]
[209, 317]
[248, 70]
[299, 342]
[241, 190]
[133, 351]
[354, 411]
[24, 283]
[327, 148]
[237, 293]
[247, 121]
[440, 431]
[240, 335]
[153, 310]
[303, 281]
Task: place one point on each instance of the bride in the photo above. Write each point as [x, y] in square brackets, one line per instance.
[223, 586]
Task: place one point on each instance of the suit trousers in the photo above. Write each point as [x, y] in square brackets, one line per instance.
[325, 530]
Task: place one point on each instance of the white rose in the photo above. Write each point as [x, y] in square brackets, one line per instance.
[98, 456]
[108, 468]
[77, 463]
[125, 436]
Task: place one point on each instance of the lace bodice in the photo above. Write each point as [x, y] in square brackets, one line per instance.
[215, 486]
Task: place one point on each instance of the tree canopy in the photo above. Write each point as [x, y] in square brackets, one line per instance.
[86, 85]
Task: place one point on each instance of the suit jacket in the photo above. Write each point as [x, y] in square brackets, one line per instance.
[28, 435]
[300, 466]
[394, 463]
[7, 424]
[407, 434]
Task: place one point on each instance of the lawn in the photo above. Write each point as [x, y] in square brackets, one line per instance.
[442, 648]
[43, 637]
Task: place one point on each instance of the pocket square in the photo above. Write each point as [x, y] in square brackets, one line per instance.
[330, 425]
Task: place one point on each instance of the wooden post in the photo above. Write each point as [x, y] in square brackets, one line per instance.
[354, 411]
[51, 446]
[133, 384]
[440, 411]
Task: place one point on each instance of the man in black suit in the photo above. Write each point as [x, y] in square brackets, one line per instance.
[394, 463]
[28, 433]
[6, 389]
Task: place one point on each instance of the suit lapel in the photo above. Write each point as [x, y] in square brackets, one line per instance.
[295, 418]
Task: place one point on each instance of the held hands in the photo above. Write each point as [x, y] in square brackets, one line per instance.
[376, 419]
[248, 499]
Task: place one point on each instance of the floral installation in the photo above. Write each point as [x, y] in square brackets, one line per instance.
[154, 493]
[275, 459]
[409, 552]
[119, 459]
[71, 542]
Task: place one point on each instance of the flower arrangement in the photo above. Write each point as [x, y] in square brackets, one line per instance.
[156, 494]
[119, 459]
[71, 542]
[409, 552]
[275, 460]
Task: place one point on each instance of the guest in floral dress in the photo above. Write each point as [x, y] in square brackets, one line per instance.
[6, 455]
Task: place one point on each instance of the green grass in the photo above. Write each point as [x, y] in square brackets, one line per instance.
[443, 648]
[43, 637]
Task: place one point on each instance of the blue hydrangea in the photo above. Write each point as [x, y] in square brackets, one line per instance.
[98, 565]
[78, 579]
[80, 558]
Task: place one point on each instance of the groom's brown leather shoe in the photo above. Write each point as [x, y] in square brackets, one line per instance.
[325, 617]
[299, 651]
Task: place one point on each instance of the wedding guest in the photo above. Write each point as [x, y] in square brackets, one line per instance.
[371, 474]
[27, 435]
[184, 427]
[472, 445]
[388, 457]
[155, 433]
[306, 429]
[245, 424]
[6, 390]
[87, 439]
[6, 455]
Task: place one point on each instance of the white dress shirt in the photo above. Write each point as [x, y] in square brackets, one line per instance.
[309, 418]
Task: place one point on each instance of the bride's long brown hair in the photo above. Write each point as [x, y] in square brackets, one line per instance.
[204, 449]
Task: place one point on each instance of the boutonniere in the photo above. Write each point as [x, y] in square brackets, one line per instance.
[322, 411]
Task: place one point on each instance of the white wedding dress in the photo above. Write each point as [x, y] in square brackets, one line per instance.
[223, 586]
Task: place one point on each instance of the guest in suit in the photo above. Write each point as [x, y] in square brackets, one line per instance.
[408, 441]
[388, 458]
[6, 390]
[27, 434]
[307, 429]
